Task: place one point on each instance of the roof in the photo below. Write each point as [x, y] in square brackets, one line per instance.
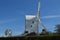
[29, 17]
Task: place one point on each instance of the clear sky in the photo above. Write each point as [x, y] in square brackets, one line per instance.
[12, 14]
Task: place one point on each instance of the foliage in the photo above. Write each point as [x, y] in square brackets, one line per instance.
[58, 29]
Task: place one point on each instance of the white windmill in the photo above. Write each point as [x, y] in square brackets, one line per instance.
[8, 32]
[32, 22]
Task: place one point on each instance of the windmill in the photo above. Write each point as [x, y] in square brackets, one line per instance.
[8, 32]
[33, 21]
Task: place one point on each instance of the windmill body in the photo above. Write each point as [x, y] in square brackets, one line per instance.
[31, 23]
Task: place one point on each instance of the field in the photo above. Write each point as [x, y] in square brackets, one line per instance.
[42, 37]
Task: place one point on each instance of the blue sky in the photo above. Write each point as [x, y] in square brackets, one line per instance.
[12, 14]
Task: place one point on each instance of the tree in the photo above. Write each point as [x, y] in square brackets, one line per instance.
[58, 29]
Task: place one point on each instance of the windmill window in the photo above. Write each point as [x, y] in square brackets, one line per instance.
[31, 25]
[33, 22]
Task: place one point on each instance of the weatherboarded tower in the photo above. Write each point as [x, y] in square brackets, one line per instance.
[31, 23]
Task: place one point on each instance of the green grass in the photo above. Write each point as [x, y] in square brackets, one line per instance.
[41, 37]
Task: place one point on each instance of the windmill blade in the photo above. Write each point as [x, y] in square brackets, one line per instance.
[38, 9]
[38, 17]
[42, 24]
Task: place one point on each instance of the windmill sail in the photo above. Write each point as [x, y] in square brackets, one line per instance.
[38, 16]
[38, 9]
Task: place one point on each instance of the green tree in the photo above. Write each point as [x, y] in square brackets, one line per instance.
[57, 29]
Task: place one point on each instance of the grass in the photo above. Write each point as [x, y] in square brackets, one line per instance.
[41, 37]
